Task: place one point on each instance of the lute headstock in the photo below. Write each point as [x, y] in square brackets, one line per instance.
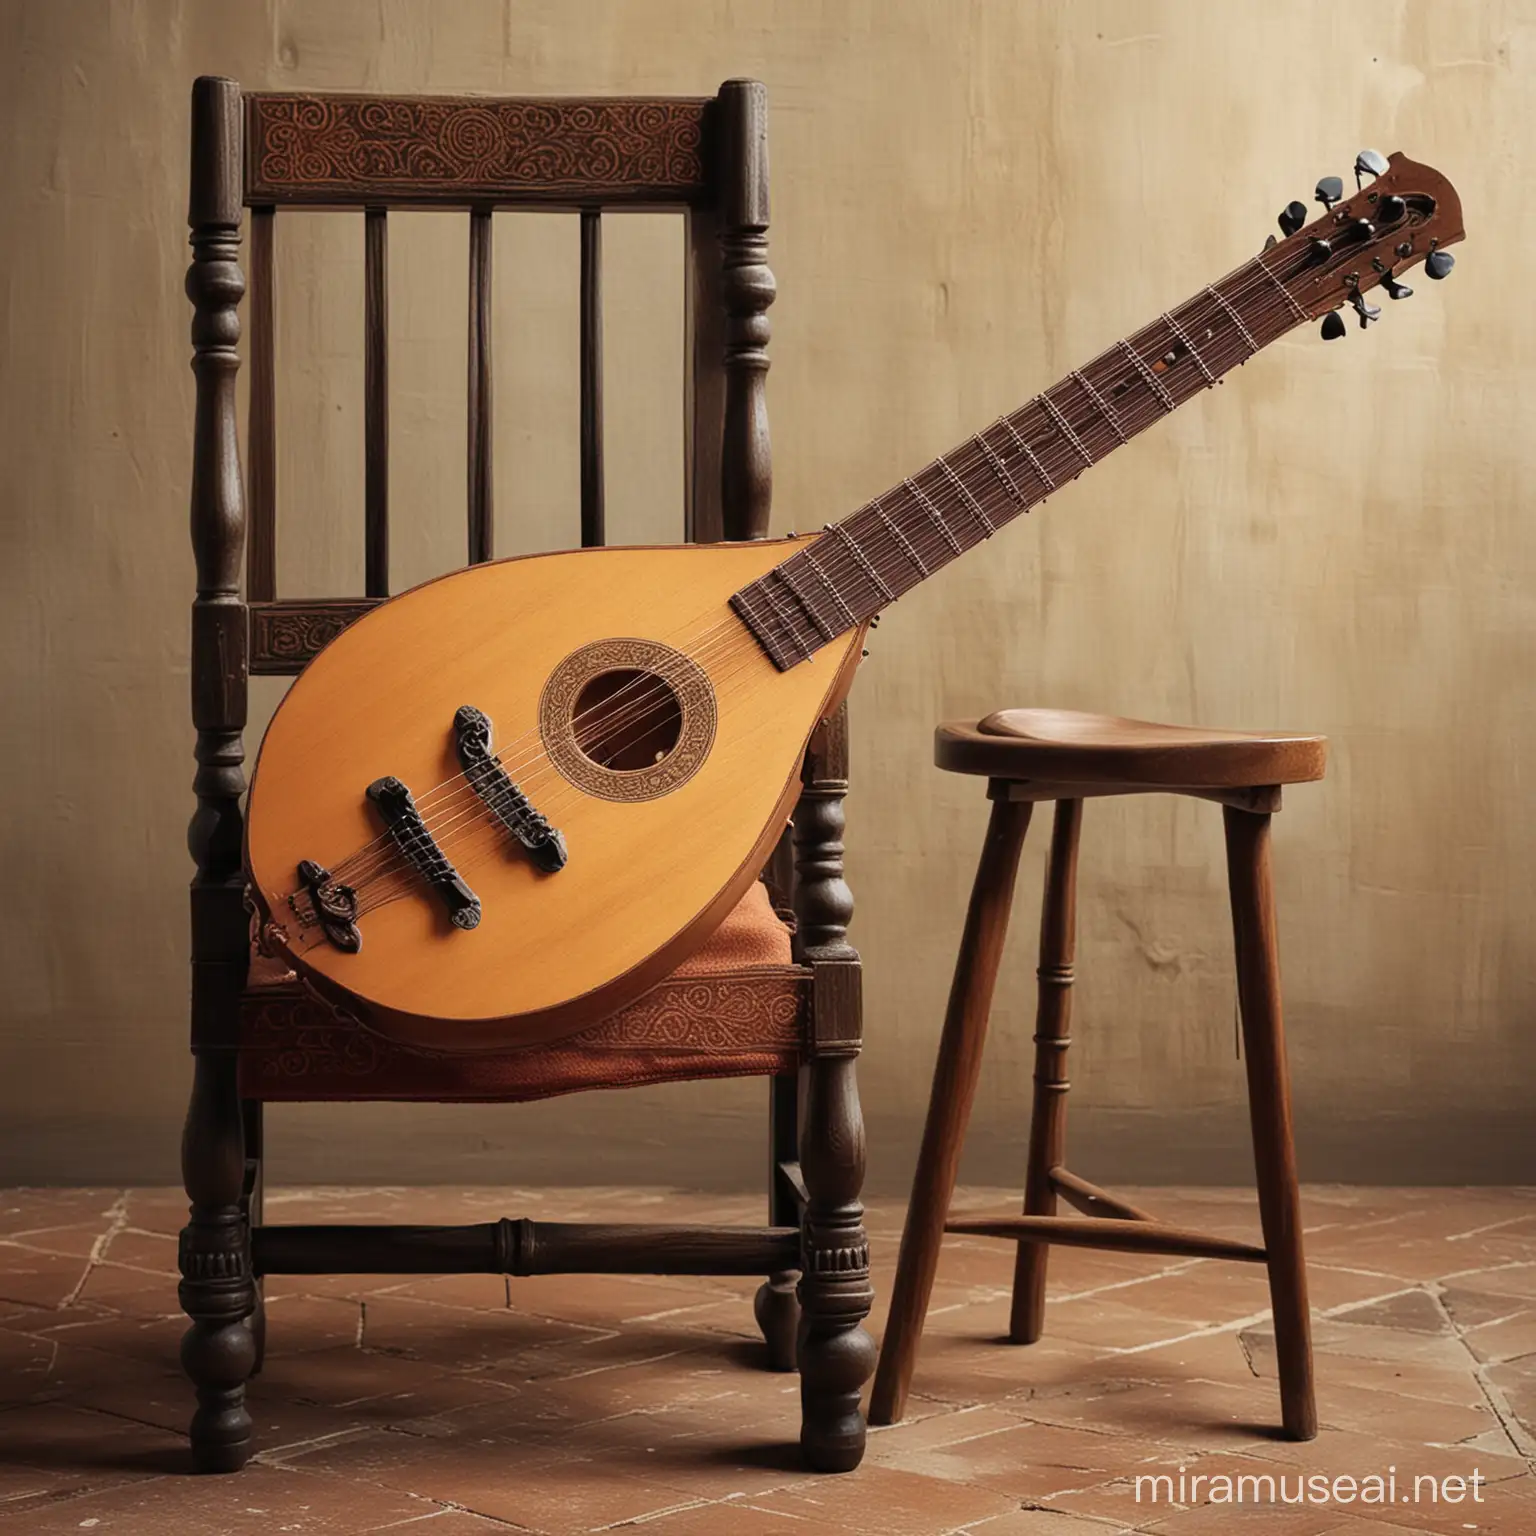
[1405, 217]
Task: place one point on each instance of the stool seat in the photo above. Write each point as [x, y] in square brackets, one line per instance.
[1069, 746]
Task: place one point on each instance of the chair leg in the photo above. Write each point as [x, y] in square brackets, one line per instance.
[1269, 1107]
[218, 1350]
[835, 1354]
[776, 1306]
[955, 1076]
[252, 1204]
[1053, 1022]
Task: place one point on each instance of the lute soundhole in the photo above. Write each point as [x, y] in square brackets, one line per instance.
[627, 719]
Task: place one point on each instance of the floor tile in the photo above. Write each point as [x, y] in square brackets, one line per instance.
[469, 1405]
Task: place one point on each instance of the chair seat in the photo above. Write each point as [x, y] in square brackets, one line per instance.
[736, 1007]
[1068, 746]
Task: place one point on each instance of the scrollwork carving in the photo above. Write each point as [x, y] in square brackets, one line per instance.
[308, 148]
[285, 636]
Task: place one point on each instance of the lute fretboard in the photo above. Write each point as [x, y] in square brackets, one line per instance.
[964, 496]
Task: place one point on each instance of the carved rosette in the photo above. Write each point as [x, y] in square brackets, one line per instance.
[302, 148]
[689, 684]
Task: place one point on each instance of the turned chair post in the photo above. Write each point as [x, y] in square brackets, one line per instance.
[1053, 1023]
[834, 1353]
[217, 1291]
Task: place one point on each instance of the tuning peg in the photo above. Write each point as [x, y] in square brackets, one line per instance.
[1390, 209]
[1439, 264]
[1395, 289]
[1333, 325]
[1367, 312]
[1270, 243]
[1292, 217]
[1329, 190]
[1369, 162]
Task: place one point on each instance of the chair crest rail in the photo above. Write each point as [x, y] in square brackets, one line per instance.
[458, 150]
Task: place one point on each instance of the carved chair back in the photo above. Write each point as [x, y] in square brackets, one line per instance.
[704, 157]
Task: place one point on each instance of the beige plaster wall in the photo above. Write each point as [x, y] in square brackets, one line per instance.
[968, 199]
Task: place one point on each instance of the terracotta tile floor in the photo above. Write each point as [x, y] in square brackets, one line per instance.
[465, 1405]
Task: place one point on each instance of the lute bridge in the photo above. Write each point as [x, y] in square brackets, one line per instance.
[335, 906]
[506, 802]
[419, 848]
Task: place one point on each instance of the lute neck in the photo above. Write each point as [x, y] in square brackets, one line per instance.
[915, 529]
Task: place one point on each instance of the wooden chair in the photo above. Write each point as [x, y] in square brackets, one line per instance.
[1029, 755]
[747, 1003]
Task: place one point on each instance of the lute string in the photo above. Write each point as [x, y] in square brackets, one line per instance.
[1094, 425]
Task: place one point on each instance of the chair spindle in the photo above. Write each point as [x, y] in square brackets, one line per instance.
[480, 424]
[746, 487]
[261, 435]
[376, 400]
[592, 526]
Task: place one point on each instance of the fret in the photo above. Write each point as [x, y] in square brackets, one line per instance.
[1028, 453]
[1236, 319]
[1064, 427]
[999, 469]
[973, 506]
[745, 605]
[785, 615]
[786, 574]
[1285, 293]
[1153, 383]
[901, 538]
[820, 591]
[1189, 346]
[837, 597]
[863, 561]
[1103, 405]
[936, 515]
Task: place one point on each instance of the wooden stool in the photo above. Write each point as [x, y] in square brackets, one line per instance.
[1041, 754]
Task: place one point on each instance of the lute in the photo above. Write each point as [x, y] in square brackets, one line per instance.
[503, 804]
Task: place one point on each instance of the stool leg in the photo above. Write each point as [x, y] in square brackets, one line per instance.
[949, 1105]
[1053, 1021]
[1269, 1107]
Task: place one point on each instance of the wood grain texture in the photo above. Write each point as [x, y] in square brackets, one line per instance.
[746, 486]
[1097, 743]
[1087, 1197]
[1066, 746]
[351, 149]
[955, 1075]
[1053, 1035]
[549, 956]
[1251, 887]
[511, 1247]
[1108, 1232]
[216, 1291]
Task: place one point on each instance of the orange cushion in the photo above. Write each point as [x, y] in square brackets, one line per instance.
[752, 935]
[737, 1007]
